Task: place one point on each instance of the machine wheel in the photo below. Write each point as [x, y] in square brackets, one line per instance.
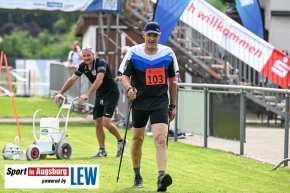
[9, 148]
[42, 156]
[63, 150]
[32, 152]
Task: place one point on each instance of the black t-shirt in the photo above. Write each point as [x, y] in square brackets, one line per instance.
[108, 86]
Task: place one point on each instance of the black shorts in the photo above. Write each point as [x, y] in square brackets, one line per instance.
[105, 107]
[140, 117]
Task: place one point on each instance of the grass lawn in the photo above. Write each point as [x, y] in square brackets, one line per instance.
[26, 106]
[193, 169]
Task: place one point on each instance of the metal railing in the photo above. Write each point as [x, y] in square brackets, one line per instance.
[242, 90]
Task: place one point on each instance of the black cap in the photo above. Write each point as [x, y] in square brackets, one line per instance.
[152, 27]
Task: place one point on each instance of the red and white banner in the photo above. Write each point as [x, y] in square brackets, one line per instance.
[239, 41]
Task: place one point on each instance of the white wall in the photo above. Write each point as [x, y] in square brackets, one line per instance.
[277, 26]
[89, 37]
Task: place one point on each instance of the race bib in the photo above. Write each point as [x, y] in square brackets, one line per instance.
[155, 76]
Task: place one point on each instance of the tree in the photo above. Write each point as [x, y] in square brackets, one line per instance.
[37, 35]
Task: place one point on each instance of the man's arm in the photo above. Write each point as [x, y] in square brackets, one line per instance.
[95, 86]
[68, 63]
[79, 51]
[65, 87]
[80, 55]
[131, 92]
[69, 60]
[172, 102]
[126, 82]
[172, 90]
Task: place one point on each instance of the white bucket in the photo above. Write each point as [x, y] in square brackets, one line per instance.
[49, 125]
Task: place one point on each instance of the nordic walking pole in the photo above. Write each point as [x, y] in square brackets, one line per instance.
[169, 112]
[168, 134]
[124, 141]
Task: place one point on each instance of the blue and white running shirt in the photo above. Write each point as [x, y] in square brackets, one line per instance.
[149, 74]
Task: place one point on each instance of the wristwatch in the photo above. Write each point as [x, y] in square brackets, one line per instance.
[171, 107]
[130, 87]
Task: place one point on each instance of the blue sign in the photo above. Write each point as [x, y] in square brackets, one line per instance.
[250, 14]
[167, 14]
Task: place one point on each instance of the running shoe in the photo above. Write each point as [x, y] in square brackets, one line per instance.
[163, 182]
[120, 147]
[100, 153]
[138, 182]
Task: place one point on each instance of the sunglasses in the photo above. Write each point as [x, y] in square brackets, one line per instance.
[88, 48]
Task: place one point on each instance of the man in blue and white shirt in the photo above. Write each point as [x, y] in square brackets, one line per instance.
[148, 74]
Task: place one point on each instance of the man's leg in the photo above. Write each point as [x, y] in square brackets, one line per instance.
[109, 108]
[101, 138]
[136, 147]
[111, 127]
[139, 120]
[159, 131]
[114, 130]
[98, 117]
[100, 132]
[136, 155]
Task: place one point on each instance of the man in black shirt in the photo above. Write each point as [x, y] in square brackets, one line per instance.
[107, 96]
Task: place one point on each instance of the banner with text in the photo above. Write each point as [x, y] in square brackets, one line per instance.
[51, 176]
[238, 40]
[63, 5]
